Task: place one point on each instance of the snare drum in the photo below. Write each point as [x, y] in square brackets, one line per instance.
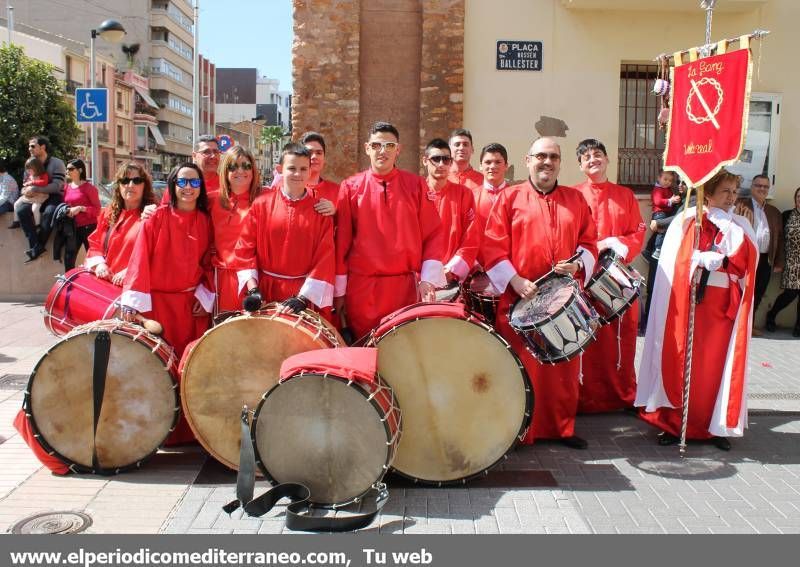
[558, 322]
[234, 363]
[465, 396]
[481, 297]
[331, 424]
[136, 395]
[79, 297]
[614, 286]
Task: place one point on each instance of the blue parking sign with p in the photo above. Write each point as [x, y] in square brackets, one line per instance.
[91, 105]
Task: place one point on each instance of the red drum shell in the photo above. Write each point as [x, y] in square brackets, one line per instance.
[79, 297]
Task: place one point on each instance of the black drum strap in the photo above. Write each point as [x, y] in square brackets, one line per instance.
[298, 516]
[102, 351]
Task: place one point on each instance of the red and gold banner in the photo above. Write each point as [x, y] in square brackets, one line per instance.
[708, 116]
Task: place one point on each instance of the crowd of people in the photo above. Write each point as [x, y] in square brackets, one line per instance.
[386, 238]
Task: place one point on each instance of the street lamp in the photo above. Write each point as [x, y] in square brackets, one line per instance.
[111, 31]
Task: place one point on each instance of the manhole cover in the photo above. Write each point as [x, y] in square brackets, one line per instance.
[53, 523]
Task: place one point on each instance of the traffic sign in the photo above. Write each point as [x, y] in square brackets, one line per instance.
[224, 142]
[91, 105]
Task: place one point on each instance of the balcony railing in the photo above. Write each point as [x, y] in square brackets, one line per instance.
[72, 85]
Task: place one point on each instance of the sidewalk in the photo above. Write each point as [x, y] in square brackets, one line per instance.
[624, 483]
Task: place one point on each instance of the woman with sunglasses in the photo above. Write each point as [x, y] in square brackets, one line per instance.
[239, 185]
[84, 205]
[111, 244]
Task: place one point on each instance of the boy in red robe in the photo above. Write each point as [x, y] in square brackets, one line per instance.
[534, 228]
[389, 241]
[461, 172]
[456, 207]
[286, 250]
[609, 376]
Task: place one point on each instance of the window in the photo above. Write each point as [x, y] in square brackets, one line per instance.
[182, 19]
[760, 151]
[120, 105]
[179, 105]
[120, 135]
[641, 143]
[180, 47]
[141, 137]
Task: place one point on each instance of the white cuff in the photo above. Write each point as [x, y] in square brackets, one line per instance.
[92, 261]
[205, 297]
[136, 300]
[458, 266]
[501, 274]
[615, 244]
[433, 272]
[340, 286]
[318, 292]
[244, 275]
[588, 263]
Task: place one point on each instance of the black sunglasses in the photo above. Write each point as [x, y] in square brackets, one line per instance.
[446, 160]
[134, 180]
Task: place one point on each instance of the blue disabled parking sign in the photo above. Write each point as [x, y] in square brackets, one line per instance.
[91, 105]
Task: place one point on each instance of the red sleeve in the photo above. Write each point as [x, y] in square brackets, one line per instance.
[660, 196]
[39, 181]
[496, 244]
[323, 261]
[633, 236]
[245, 251]
[98, 237]
[430, 226]
[587, 232]
[137, 278]
[471, 238]
[94, 198]
[344, 228]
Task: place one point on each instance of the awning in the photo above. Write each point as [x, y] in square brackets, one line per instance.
[146, 97]
[157, 135]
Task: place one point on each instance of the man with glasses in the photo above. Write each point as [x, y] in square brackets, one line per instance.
[389, 241]
[767, 223]
[456, 207]
[609, 375]
[536, 227]
[461, 171]
[39, 147]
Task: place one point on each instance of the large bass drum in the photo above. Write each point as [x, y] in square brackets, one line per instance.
[234, 363]
[331, 424]
[104, 398]
[465, 396]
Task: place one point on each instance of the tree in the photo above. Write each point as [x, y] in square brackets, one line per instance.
[272, 134]
[32, 103]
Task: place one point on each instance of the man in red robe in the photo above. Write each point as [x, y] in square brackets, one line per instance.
[389, 241]
[456, 207]
[609, 376]
[286, 249]
[534, 228]
[461, 171]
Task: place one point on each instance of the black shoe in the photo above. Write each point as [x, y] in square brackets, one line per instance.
[770, 326]
[33, 254]
[574, 442]
[665, 439]
[721, 443]
[14, 224]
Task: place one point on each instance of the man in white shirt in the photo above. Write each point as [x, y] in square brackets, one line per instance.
[768, 226]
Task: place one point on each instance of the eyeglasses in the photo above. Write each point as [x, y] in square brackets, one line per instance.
[70, 168]
[438, 160]
[195, 182]
[134, 180]
[543, 156]
[209, 152]
[244, 166]
[382, 146]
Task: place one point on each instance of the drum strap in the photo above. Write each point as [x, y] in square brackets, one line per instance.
[102, 351]
[299, 513]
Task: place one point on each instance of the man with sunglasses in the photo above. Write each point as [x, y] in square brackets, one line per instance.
[456, 207]
[39, 147]
[461, 171]
[535, 228]
[609, 376]
[389, 240]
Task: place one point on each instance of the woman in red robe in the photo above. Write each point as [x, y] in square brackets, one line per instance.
[239, 185]
[111, 244]
[727, 254]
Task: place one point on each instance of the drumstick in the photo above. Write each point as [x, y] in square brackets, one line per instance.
[150, 325]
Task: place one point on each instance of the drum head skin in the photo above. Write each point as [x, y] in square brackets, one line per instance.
[233, 365]
[322, 433]
[139, 403]
[464, 395]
